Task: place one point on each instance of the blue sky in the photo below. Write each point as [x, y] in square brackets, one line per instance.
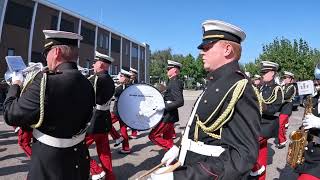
[177, 23]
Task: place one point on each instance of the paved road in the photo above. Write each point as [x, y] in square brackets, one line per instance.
[14, 164]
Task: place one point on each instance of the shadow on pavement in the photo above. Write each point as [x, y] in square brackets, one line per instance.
[271, 153]
[127, 170]
[13, 169]
[10, 156]
[7, 134]
[287, 173]
[8, 142]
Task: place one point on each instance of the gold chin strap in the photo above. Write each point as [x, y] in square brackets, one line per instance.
[273, 97]
[239, 88]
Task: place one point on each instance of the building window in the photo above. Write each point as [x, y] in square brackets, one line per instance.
[54, 22]
[127, 49]
[66, 25]
[115, 45]
[88, 35]
[134, 51]
[142, 55]
[116, 70]
[104, 41]
[18, 15]
[11, 52]
[37, 57]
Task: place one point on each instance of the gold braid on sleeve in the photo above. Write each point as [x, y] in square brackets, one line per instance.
[226, 115]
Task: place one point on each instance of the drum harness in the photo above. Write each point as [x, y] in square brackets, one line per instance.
[213, 150]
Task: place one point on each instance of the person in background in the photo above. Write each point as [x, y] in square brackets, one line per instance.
[162, 134]
[101, 122]
[289, 91]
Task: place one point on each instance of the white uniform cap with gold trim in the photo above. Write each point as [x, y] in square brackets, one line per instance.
[53, 37]
[269, 66]
[287, 73]
[103, 57]
[134, 70]
[126, 72]
[174, 64]
[215, 30]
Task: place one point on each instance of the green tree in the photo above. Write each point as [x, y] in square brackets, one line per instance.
[297, 57]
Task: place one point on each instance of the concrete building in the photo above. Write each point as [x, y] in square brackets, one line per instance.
[22, 22]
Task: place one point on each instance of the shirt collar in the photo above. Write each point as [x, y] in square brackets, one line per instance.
[224, 70]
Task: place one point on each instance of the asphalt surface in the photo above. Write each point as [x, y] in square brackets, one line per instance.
[144, 156]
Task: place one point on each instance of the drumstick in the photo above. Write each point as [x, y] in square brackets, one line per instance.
[151, 170]
[172, 168]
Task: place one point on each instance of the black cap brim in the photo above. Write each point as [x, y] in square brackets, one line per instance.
[207, 41]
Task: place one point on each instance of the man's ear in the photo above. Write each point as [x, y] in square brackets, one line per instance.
[228, 49]
[57, 53]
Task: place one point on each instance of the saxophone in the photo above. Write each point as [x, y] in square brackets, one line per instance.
[298, 140]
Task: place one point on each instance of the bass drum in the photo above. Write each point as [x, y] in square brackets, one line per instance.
[141, 106]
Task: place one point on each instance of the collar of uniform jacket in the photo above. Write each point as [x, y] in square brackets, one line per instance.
[223, 71]
[66, 65]
[102, 72]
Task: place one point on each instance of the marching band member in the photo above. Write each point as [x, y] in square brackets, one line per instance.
[124, 81]
[256, 81]
[289, 91]
[162, 134]
[58, 105]
[221, 137]
[134, 80]
[310, 169]
[272, 96]
[101, 120]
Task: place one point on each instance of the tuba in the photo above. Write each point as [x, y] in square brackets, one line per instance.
[298, 140]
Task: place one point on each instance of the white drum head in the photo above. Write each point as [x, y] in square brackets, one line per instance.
[141, 106]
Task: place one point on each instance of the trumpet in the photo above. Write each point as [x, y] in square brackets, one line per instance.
[84, 71]
[33, 67]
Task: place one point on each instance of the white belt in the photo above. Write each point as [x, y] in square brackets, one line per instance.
[58, 142]
[203, 149]
[102, 107]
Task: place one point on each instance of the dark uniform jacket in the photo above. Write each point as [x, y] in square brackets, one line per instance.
[101, 120]
[311, 164]
[117, 94]
[289, 93]
[239, 136]
[173, 97]
[270, 121]
[69, 100]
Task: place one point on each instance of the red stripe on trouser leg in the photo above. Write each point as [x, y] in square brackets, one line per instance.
[24, 141]
[104, 154]
[262, 157]
[161, 135]
[113, 132]
[283, 119]
[307, 177]
[124, 134]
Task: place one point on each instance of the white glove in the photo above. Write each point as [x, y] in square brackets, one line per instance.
[311, 121]
[160, 108]
[170, 155]
[158, 176]
[17, 76]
